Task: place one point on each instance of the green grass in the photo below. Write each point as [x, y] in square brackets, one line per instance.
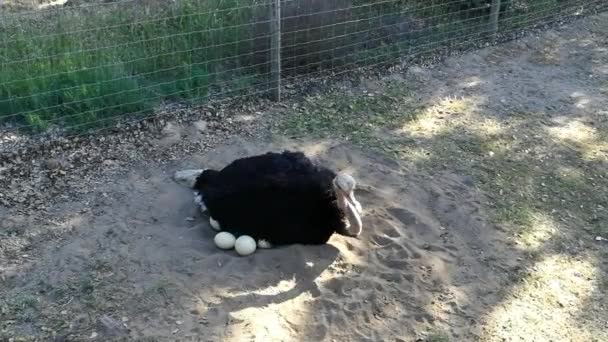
[356, 117]
[23, 307]
[437, 336]
[83, 68]
[105, 67]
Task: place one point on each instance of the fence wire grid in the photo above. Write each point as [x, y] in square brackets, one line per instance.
[81, 65]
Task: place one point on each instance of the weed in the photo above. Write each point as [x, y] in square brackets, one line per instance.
[95, 67]
[437, 336]
[23, 307]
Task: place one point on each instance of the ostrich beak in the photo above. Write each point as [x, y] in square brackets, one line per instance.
[353, 210]
[355, 203]
[344, 186]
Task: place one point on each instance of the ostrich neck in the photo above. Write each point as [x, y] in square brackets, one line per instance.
[351, 212]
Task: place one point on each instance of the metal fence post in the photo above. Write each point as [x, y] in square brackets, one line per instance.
[494, 14]
[275, 49]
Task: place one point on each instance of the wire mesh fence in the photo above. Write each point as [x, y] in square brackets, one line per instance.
[78, 65]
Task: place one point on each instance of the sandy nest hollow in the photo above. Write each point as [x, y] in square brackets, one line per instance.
[418, 262]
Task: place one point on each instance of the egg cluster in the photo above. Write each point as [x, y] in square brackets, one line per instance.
[244, 245]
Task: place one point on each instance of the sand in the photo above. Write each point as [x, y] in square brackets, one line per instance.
[418, 263]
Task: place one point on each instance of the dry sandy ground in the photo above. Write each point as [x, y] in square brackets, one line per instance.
[134, 260]
[142, 257]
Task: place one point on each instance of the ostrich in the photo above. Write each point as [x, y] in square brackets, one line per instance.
[279, 199]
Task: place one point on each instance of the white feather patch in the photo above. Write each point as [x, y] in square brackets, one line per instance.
[187, 177]
[264, 244]
[198, 199]
[214, 224]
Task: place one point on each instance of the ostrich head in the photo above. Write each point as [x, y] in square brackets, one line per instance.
[344, 187]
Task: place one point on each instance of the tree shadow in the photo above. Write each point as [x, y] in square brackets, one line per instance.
[525, 163]
[539, 173]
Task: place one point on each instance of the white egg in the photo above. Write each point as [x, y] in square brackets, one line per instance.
[224, 240]
[214, 224]
[245, 245]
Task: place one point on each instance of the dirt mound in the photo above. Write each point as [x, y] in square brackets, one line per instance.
[149, 260]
